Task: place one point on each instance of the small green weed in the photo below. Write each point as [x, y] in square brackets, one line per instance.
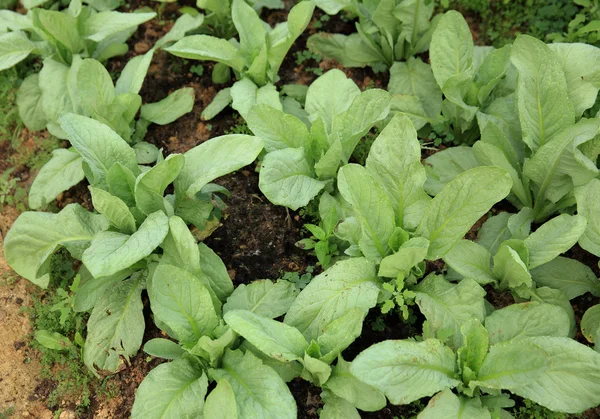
[307, 58]
[301, 281]
[7, 413]
[10, 191]
[197, 69]
[239, 126]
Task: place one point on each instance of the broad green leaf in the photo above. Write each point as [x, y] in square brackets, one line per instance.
[30, 104]
[263, 297]
[451, 49]
[510, 268]
[219, 102]
[332, 7]
[330, 95]
[345, 385]
[102, 25]
[277, 129]
[170, 108]
[95, 88]
[339, 334]
[337, 408]
[494, 232]
[447, 306]
[570, 276]
[286, 370]
[35, 236]
[445, 165]
[543, 102]
[58, 28]
[184, 23]
[62, 171]
[171, 391]
[92, 289]
[114, 209]
[581, 65]
[275, 339]
[163, 348]
[259, 391]
[215, 158]
[568, 382]
[180, 247]
[405, 370]
[14, 48]
[204, 47]
[287, 179]
[52, 340]
[182, 302]
[121, 183]
[459, 205]
[518, 321]
[414, 78]
[408, 256]
[99, 146]
[220, 403]
[348, 50]
[245, 95]
[474, 349]
[372, 208]
[215, 271]
[588, 205]
[553, 238]
[250, 29]
[116, 326]
[346, 285]
[449, 406]
[133, 75]
[145, 153]
[590, 325]
[315, 370]
[366, 109]
[150, 185]
[55, 93]
[559, 165]
[395, 162]
[212, 350]
[471, 260]
[111, 252]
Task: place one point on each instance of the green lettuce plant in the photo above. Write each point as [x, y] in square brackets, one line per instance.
[251, 356]
[513, 349]
[387, 31]
[255, 59]
[135, 224]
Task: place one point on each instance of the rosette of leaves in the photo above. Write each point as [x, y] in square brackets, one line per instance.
[387, 31]
[135, 224]
[251, 356]
[60, 87]
[255, 59]
[545, 144]
[305, 151]
[514, 349]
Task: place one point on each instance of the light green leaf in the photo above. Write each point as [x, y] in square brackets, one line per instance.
[553, 238]
[220, 403]
[346, 285]
[408, 255]
[339, 334]
[14, 48]
[215, 158]
[405, 370]
[170, 108]
[277, 129]
[55, 92]
[182, 302]
[94, 88]
[150, 185]
[275, 339]
[52, 340]
[448, 306]
[590, 325]
[449, 406]
[570, 276]
[372, 208]
[510, 268]
[245, 95]
[30, 104]
[471, 260]
[588, 205]
[250, 29]
[330, 95]
[102, 25]
[204, 47]
[543, 102]
[494, 232]
[287, 179]
[259, 391]
[133, 75]
[114, 209]
[263, 297]
[92, 289]
[163, 348]
[445, 165]
[58, 28]
[184, 23]
[337, 408]
[219, 102]
[35, 236]
[116, 326]
[62, 171]
[519, 321]
[459, 205]
[171, 391]
[345, 385]
[348, 50]
[99, 146]
[215, 271]
[111, 252]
